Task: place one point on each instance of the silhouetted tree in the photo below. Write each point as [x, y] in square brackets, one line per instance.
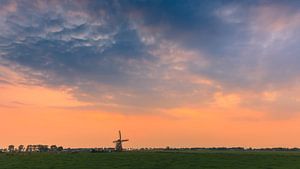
[11, 148]
[21, 148]
[60, 148]
[34, 148]
[42, 148]
[29, 148]
[53, 148]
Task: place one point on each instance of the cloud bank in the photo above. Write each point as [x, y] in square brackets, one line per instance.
[147, 56]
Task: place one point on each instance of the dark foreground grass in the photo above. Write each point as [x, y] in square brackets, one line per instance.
[153, 160]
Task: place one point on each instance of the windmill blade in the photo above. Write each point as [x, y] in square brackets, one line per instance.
[124, 140]
[120, 135]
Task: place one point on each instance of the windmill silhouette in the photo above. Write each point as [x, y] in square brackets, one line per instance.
[119, 142]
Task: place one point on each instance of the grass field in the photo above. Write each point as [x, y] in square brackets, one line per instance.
[153, 160]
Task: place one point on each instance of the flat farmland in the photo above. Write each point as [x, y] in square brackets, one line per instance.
[153, 160]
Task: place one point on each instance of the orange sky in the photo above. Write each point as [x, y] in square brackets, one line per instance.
[33, 115]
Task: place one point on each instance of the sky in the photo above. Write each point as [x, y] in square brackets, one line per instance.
[179, 73]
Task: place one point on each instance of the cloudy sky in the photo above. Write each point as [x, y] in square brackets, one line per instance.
[166, 72]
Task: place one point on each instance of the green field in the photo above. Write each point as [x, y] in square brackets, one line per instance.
[153, 160]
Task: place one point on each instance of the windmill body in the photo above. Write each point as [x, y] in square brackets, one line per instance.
[119, 142]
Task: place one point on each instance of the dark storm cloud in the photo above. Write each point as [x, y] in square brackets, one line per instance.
[54, 43]
[224, 31]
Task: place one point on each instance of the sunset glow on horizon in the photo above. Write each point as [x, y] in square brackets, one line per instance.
[178, 73]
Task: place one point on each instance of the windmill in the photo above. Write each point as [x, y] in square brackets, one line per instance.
[119, 142]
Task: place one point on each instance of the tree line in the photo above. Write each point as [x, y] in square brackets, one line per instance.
[32, 148]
